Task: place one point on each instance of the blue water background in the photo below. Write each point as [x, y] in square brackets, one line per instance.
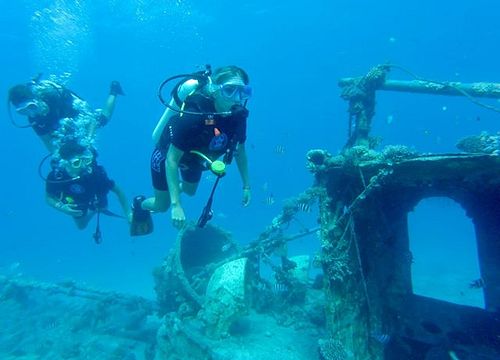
[294, 51]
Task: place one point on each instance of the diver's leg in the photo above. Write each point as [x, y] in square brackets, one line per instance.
[190, 180]
[109, 107]
[159, 203]
[161, 200]
[189, 188]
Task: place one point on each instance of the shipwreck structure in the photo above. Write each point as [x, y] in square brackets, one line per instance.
[370, 306]
[370, 310]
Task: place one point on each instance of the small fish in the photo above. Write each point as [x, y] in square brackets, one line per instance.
[269, 200]
[477, 284]
[279, 149]
[389, 119]
[444, 108]
[221, 215]
[265, 186]
[50, 323]
[304, 207]
[381, 338]
[226, 247]
[280, 288]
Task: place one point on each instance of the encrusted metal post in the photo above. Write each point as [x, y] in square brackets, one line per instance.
[360, 92]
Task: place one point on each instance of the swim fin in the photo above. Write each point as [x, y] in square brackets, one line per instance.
[142, 222]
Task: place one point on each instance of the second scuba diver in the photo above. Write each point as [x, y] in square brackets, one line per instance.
[46, 104]
[77, 186]
[205, 119]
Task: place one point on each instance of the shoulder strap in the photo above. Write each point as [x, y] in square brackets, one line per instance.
[200, 103]
[200, 77]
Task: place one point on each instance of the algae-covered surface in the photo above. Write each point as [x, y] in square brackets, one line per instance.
[47, 321]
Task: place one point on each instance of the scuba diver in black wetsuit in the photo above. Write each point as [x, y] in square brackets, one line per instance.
[205, 119]
[77, 186]
[47, 104]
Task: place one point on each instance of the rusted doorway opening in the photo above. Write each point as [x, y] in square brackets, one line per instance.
[445, 258]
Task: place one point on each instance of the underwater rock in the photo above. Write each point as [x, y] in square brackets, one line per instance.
[226, 298]
[318, 159]
[397, 153]
[359, 154]
[331, 349]
[483, 143]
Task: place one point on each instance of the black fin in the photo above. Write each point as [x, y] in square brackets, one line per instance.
[142, 221]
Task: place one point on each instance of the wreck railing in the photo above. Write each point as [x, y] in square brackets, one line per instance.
[360, 93]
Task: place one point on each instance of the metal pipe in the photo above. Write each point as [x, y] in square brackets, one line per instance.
[478, 89]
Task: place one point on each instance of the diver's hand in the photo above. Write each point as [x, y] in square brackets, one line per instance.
[178, 217]
[247, 196]
[69, 209]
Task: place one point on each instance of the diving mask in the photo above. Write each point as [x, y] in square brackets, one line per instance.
[31, 108]
[78, 161]
[235, 92]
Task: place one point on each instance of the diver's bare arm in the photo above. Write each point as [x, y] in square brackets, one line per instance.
[122, 200]
[162, 123]
[242, 163]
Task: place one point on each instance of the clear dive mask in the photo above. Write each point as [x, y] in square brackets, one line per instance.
[78, 161]
[235, 92]
[30, 108]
